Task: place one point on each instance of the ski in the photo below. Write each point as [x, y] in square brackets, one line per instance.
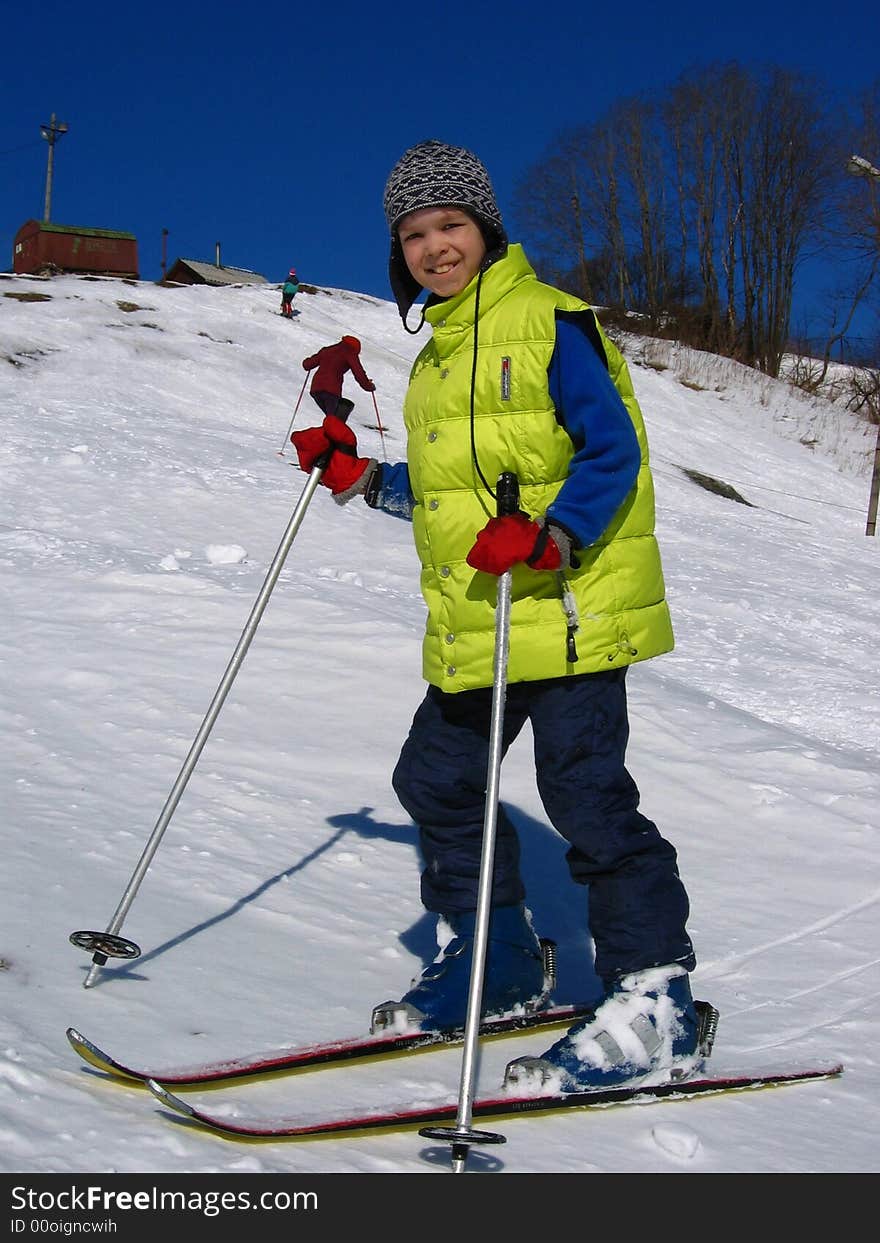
[490, 1107]
[330, 1053]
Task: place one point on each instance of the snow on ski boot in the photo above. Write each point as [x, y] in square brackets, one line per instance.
[519, 974]
[648, 1029]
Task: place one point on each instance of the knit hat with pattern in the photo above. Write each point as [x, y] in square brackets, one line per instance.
[435, 174]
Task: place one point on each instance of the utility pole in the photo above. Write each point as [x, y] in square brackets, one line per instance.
[51, 133]
[871, 525]
[860, 167]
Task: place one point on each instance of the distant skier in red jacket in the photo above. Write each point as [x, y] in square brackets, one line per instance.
[332, 362]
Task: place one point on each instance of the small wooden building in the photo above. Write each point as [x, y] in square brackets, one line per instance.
[43, 247]
[194, 272]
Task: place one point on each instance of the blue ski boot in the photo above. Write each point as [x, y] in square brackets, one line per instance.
[648, 1029]
[514, 979]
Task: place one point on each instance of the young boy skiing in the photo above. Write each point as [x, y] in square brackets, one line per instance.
[289, 290]
[330, 365]
[518, 376]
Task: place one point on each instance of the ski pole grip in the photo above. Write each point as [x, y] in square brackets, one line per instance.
[507, 494]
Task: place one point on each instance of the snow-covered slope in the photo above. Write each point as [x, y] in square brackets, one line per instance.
[144, 497]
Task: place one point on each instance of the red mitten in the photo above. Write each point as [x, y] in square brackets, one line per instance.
[503, 542]
[309, 445]
[344, 468]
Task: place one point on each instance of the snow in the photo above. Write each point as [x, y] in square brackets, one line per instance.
[144, 499]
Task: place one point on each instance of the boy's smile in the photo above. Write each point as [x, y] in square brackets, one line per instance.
[443, 248]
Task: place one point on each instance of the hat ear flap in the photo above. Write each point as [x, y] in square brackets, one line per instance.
[495, 239]
[404, 285]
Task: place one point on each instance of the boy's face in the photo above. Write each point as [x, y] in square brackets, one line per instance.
[443, 248]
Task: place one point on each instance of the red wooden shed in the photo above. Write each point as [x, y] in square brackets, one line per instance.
[43, 247]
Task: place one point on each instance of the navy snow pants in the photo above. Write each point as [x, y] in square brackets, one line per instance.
[638, 906]
[333, 403]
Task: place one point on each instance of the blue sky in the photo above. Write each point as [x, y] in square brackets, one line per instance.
[272, 129]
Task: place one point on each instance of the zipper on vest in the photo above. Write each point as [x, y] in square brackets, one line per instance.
[569, 608]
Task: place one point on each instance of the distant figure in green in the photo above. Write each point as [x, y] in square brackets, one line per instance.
[289, 291]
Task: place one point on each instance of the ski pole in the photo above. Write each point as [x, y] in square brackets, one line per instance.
[462, 1135]
[295, 408]
[108, 944]
[379, 425]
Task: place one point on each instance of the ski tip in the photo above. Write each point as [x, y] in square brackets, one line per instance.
[78, 1042]
[818, 1070]
[95, 1057]
[168, 1098]
[86, 1050]
[831, 1070]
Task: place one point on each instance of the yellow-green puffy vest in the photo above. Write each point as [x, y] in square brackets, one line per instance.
[619, 590]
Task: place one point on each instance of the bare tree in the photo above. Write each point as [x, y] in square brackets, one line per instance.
[605, 194]
[643, 162]
[789, 179]
[702, 111]
[552, 205]
[733, 164]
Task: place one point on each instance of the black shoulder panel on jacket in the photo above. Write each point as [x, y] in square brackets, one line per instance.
[586, 322]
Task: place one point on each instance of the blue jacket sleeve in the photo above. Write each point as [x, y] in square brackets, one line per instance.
[390, 490]
[606, 460]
